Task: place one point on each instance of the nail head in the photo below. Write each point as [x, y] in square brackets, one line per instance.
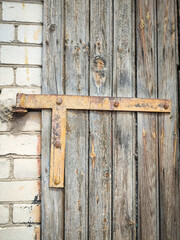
[116, 103]
[58, 101]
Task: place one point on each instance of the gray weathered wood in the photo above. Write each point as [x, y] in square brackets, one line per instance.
[168, 124]
[52, 207]
[124, 178]
[76, 83]
[100, 123]
[147, 135]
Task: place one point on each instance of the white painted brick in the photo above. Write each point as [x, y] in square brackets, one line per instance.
[6, 76]
[28, 76]
[27, 168]
[8, 95]
[20, 233]
[19, 191]
[4, 214]
[6, 32]
[4, 168]
[30, 34]
[21, 55]
[25, 12]
[23, 144]
[26, 213]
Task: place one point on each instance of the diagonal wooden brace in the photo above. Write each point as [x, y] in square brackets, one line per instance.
[59, 104]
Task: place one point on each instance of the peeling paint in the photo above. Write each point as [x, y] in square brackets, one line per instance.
[99, 71]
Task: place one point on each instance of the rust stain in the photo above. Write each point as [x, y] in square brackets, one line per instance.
[36, 34]
[37, 233]
[165, 25]
[78, 205]
[23, 6]
[35, 213]
[148, 16]
[144, 133]
[97, 198]
[21, 188]
[175, 145]
[27, 71]
[162, 136]
[93, 155]
[39, 166]
[38, 144]
[141, 24]
[26, 55]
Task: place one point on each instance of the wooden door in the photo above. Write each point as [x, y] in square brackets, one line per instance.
[121, 169]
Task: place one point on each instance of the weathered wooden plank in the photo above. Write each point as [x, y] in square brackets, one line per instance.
[124, 178]
[147, 134]
[76, 161]
[100, 123]
[52, 208]
[169, 165]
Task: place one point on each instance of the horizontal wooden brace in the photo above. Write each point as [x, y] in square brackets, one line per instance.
[59, 104]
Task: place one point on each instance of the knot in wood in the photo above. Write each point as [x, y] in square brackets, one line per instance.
[52, 27]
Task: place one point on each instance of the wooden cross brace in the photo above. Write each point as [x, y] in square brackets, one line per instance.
[59, 104]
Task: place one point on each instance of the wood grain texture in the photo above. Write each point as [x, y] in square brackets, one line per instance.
[52, 207]
[76, 161]
[147, 135]
[124, 179]
[100, 123]
[168, 125]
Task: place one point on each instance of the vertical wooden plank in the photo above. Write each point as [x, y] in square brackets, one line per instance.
[76, 162]
[148, 204]
[100, 123]
[168, 124]
[52, 207]
[124, 178]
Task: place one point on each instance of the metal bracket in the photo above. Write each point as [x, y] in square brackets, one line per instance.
[59, 104]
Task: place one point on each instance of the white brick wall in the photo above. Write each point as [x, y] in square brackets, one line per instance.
[19, 191]
[21, 55]
[30, 34]
[26, 213]
[20, 71]
[20, 233]
[6, 76]
[4, 214]
[4, 168]
[7, 32]
[26, 168]
[28, 77]
[24, 12]
[23, 144]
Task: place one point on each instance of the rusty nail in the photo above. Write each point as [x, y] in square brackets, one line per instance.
[58, 101]
[116, 103]
[56, 181]
[57, 144]
[52, 27]
[166, 106]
